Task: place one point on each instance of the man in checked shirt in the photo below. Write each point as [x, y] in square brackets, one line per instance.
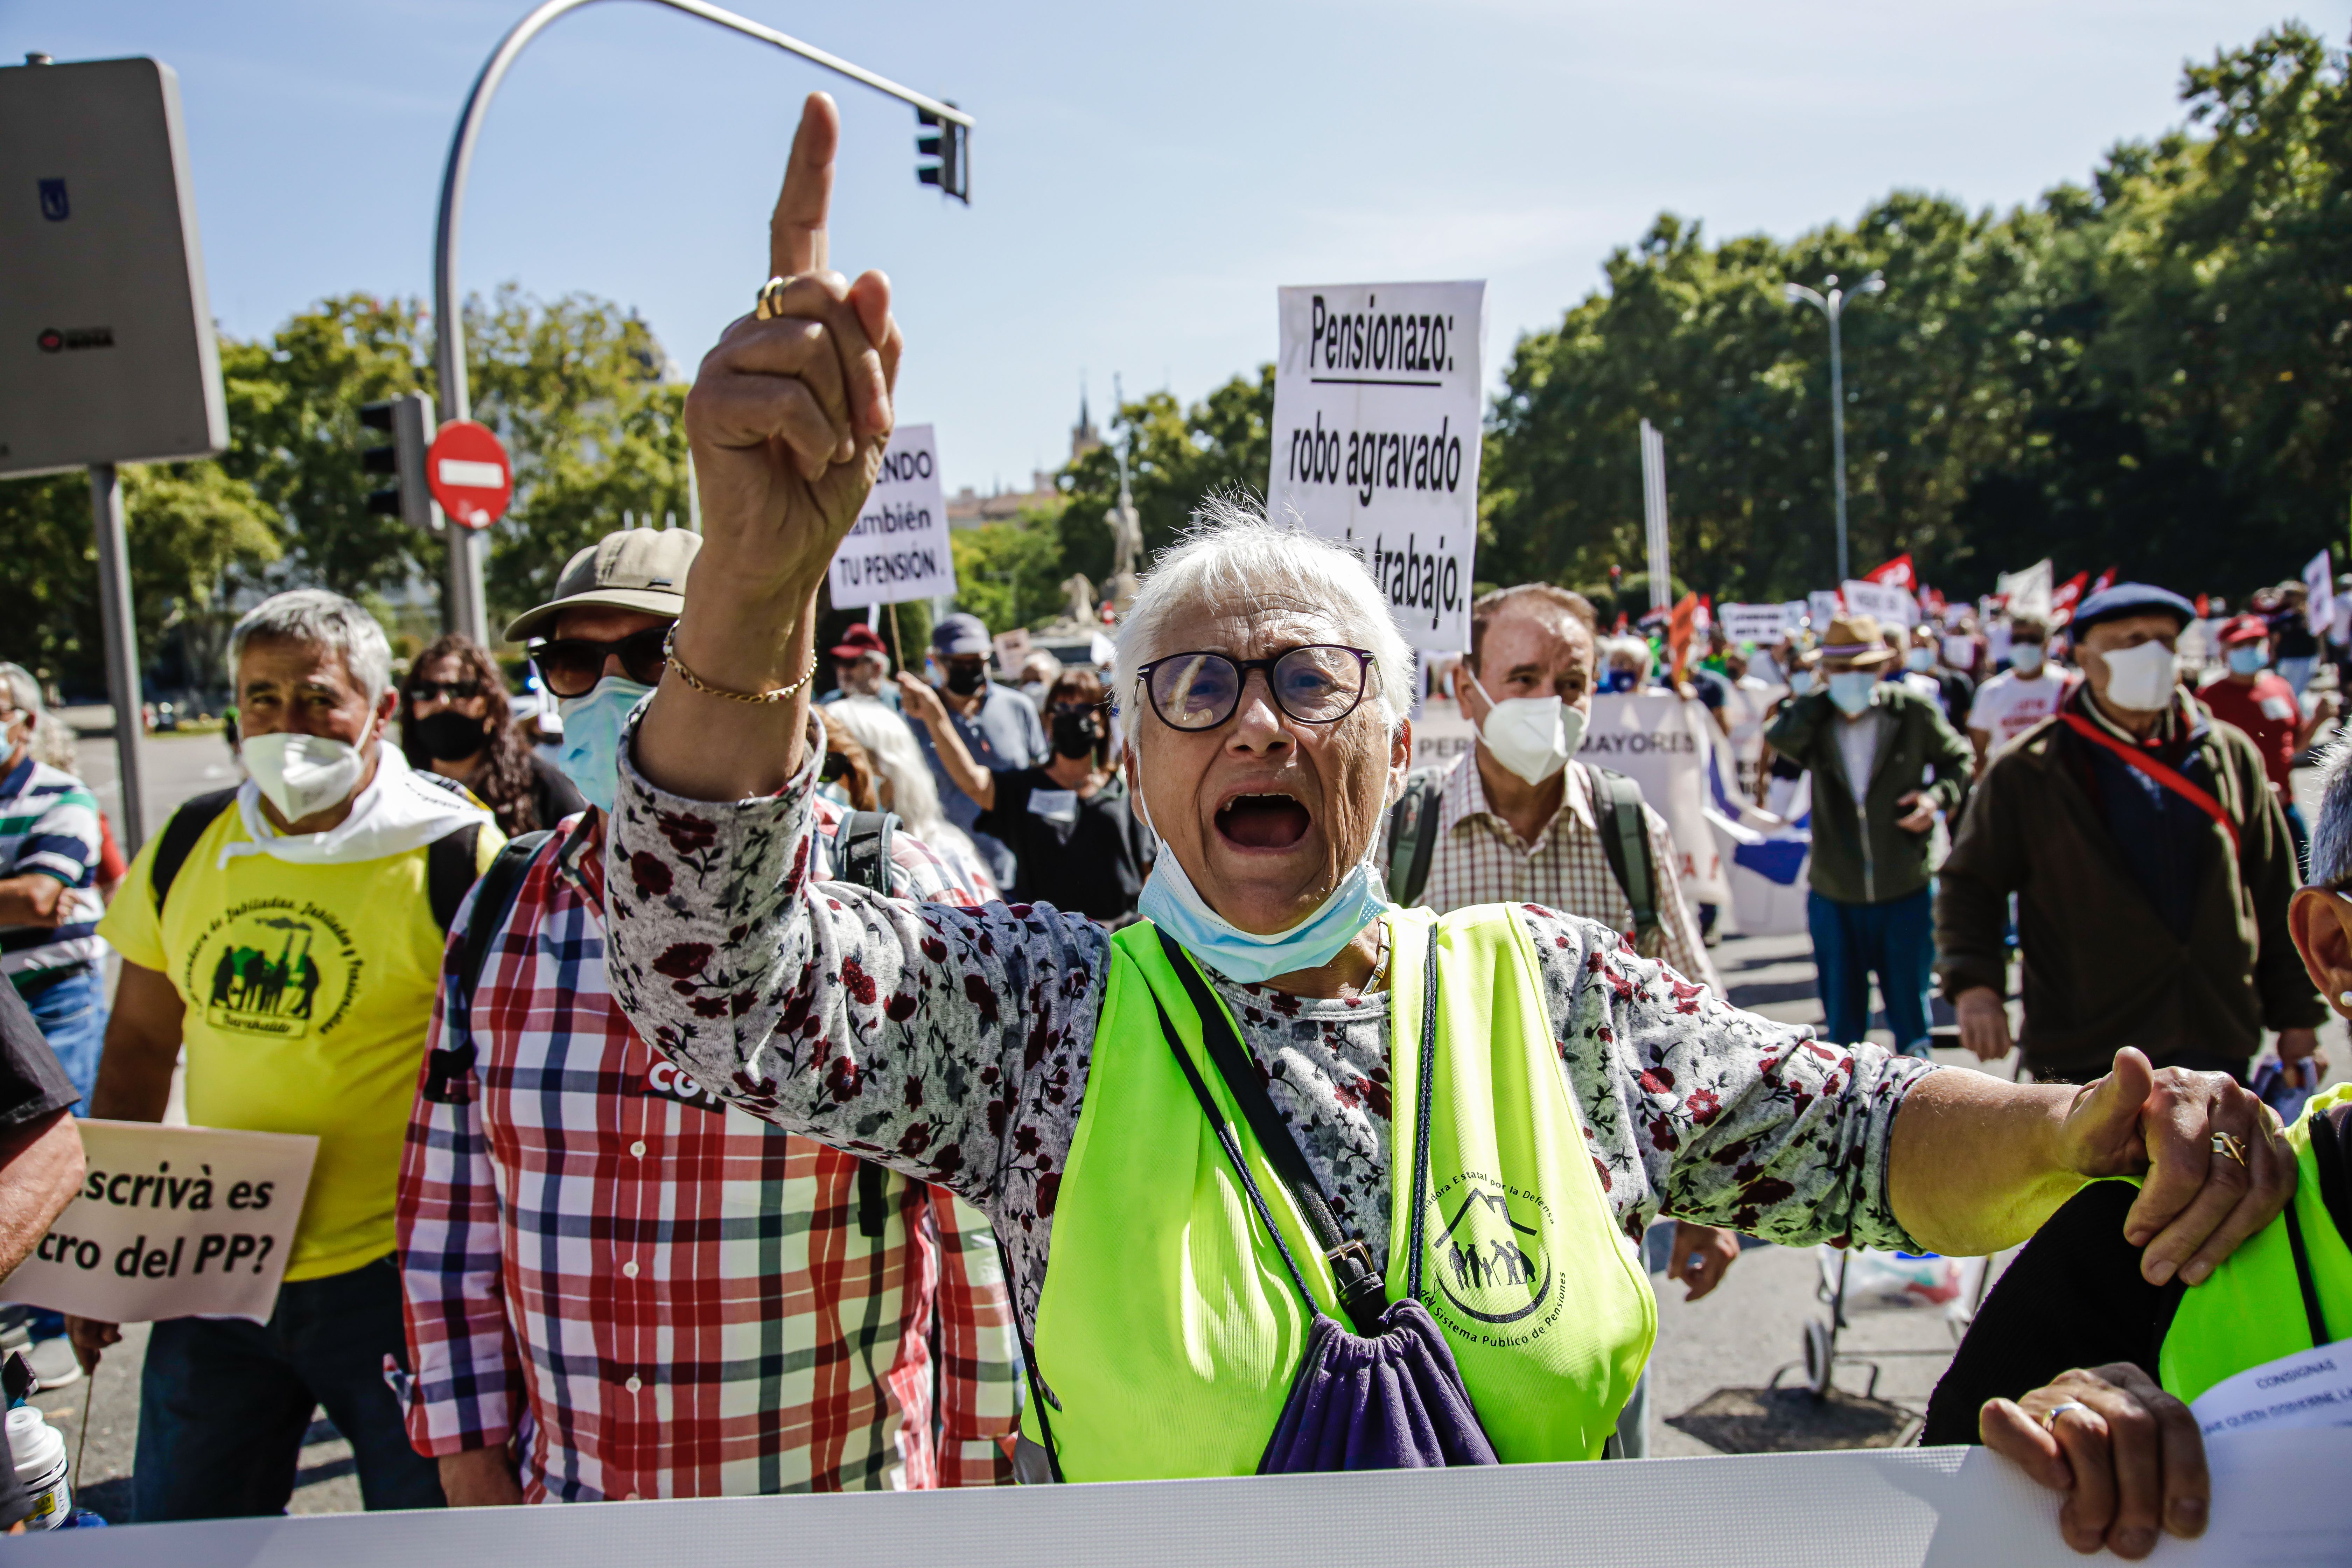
[617, 1288]
[1518, 820]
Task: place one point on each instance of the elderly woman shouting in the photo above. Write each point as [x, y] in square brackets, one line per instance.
[1288, 1177]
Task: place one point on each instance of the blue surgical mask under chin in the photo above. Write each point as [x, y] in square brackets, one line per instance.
[1171, 902]
[592, 726]
[1850, 689]
[2247, 660]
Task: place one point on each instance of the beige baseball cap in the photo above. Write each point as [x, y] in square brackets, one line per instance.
[635, 569]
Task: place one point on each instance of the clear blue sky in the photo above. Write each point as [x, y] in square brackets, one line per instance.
[1145, 177]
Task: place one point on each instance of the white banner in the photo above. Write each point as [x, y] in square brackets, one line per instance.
[897, 550]
[1822, 605]
[2027, 593]
[1763, 624]
[1660, 743]
[1377, 420]
[1893, 606]
[2319, 605]
[170, 1222]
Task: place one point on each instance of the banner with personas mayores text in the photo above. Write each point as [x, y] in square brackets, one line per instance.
[170, 1222]
[1659, 742]
[1376, 438]
[897, 550]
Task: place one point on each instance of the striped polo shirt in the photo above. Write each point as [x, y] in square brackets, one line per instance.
[48, 824]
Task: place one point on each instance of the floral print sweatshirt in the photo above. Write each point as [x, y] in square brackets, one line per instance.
[953, 1043]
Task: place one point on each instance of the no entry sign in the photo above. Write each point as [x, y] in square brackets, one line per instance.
[466, 471]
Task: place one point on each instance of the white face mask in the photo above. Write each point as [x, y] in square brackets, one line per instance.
[2026, 658]
[303, 774]
[2141, 678]
[1532, 736]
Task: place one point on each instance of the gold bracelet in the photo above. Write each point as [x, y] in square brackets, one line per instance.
[780, 694]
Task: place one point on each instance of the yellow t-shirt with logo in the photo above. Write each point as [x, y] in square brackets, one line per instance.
[308, 992]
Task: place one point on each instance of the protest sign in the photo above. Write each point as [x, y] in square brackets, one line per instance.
[1893, 606]
[1656, 741]
[897, 550]
[1377, 407]
[1822, 605]
[170, 1222]
[2319, 602]
[1441, 735]
[1763, 624]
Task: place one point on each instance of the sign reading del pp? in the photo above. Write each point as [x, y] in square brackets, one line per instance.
[170, 1222]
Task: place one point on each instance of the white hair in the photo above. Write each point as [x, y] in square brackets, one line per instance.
[890, 745]
[23, 690]
[1633, 649]
[1233, 553]
[322, 619]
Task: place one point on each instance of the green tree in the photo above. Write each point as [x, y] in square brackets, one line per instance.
[1180, 455]
[1007, 573]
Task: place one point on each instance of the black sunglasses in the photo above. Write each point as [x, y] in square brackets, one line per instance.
[1319, 684]
[445, 690]
[570, 667]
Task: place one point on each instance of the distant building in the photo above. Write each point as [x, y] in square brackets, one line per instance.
[969, 509]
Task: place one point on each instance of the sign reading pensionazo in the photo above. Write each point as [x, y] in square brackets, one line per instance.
[170, 1222]
[897, 549]
[1376, 438]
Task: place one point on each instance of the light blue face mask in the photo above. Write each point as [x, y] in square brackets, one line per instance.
[1171, 902]
[592, 737]
[1851, 688]
[2247, 660]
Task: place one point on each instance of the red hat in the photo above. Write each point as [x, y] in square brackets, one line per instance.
[857, 642]
[2245, 628]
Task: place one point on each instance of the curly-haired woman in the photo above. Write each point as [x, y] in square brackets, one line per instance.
[454, 720]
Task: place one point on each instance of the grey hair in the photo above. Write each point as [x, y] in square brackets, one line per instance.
[1233, 552]
[23, 690]
[1631, 647]
[53, 744]
[889, 742]
[322, 619]
[2331, 836]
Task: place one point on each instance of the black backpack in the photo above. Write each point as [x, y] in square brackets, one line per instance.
[448, 859]
[1617, 808]
[861, 854]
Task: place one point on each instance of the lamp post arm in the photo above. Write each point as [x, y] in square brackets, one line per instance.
[449, 331]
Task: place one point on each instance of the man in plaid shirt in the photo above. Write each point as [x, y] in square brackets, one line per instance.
[617, 1288]
[1505, 836]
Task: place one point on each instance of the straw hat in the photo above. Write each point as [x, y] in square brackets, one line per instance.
[1855, 642]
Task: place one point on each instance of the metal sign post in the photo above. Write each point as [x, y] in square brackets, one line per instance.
[121, 646]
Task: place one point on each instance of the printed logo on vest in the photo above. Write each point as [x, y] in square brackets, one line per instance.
[273, 967]
[1491, 1275]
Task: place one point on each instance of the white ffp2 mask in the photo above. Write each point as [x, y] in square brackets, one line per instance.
[2141, 677]
[1532, 736]
[302, 775]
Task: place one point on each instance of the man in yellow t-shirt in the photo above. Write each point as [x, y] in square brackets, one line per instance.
[291, 945]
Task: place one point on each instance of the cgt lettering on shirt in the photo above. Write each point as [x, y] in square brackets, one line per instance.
[665, 1081]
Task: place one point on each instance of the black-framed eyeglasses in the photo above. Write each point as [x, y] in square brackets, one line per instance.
[443, 691]
[1320, 683]
[572, 666]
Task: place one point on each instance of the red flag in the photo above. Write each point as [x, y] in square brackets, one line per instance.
[2064, 598]
[2202, 601]
[1895, 574]
[1681, 623]
[2106, 581]
[1931, 601]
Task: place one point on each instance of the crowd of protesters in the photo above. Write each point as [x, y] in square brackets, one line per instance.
[760, 1095]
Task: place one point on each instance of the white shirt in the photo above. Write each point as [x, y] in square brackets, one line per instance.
[2009, 705]
[1858, 747]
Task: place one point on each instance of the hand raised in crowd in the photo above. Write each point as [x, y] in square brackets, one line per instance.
[1984, 1023]
[919, 701]
[2126, 1454]
[1922, 815]
[786, 422]
[2217, 1169]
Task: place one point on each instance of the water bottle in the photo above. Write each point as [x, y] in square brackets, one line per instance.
[38, 1450]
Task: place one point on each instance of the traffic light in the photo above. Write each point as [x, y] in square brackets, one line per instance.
[408, 420]
[951, 143]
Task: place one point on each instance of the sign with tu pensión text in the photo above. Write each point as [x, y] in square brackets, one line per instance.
[170, 1222]
[897, 550]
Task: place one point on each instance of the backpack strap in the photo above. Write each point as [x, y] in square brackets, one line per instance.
[1625, 839]
[1412, 832]
[449, 862]
[178, 839]
[861, 854]
[501, 884]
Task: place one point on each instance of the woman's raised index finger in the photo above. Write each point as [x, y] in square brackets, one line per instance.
[797, 237]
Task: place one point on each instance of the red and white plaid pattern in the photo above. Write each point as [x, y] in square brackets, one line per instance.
[649, 1295]
[1478, 860]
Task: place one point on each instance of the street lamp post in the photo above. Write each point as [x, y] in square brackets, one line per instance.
[1833, 305]
[465, 610]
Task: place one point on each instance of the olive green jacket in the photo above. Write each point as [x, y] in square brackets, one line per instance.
[1864, 859]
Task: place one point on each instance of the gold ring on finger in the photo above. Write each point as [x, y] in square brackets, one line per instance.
[770, 301]
[2050, 1417]
[2225, 1144]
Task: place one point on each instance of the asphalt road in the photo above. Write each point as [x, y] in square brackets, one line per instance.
[1711, 1371]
